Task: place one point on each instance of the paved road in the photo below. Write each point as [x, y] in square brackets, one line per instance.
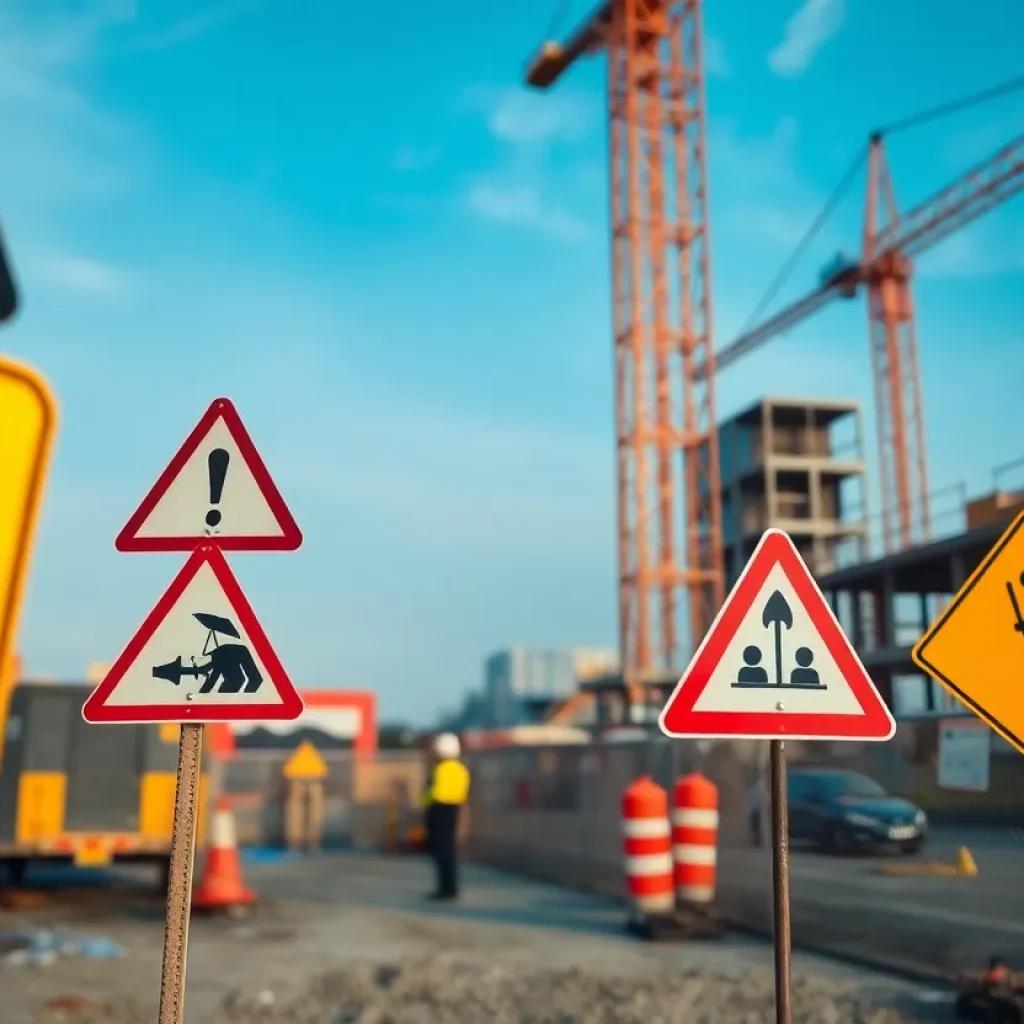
[927, 924]
[323, 912]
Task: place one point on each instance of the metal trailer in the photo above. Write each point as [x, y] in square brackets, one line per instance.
[85, 794]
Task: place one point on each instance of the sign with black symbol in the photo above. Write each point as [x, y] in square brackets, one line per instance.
[216, 489]
[776, 664]
[200, 656]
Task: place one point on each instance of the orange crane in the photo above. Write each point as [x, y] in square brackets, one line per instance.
[891, 240]
[661, 299]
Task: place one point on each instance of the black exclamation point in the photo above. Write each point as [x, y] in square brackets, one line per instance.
[217, 464]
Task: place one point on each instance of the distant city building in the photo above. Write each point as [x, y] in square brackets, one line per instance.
[797, 465]
[521, 684]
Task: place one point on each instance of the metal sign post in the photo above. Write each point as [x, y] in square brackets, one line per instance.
[780, 884]
[179, 885]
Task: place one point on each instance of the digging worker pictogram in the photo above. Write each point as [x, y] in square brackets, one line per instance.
[443, 800]
[230, 665]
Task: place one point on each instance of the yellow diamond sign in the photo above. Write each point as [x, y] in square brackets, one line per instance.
[975, 648]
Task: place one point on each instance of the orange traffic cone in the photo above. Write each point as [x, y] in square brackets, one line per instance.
[221, 886]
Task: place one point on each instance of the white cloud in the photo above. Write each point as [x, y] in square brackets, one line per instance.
[522, 205]
[192, 27]
[518, 116]
[984, 249]
[85, 276]
[716, 62]
[806, 32]
[529, 187]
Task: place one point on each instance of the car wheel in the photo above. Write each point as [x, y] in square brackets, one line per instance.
[837, 841]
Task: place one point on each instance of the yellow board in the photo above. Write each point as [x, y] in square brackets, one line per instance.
[975, 648]
[305, 763]
[28, 422]
[41, 802]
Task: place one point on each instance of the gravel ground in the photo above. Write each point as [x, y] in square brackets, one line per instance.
[444, 989]
[348, 941]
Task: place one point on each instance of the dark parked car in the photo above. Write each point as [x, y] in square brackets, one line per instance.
[843, 811]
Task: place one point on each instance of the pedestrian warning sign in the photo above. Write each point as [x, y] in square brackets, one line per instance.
[216, 489]
[776, 664]
[975, 648]
[200, 656]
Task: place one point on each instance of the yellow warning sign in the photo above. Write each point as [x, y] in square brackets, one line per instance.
[975, 648]
[305, 763]
[28, 421]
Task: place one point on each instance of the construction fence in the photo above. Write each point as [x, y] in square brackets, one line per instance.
[367, 801]
[554, 812]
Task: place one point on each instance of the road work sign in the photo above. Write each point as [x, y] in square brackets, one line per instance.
[975, 648]
[200, 656]
[28, 424]
[775, 663]
[216, 489]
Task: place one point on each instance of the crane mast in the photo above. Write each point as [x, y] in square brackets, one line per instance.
[902, 467]
[668, 510]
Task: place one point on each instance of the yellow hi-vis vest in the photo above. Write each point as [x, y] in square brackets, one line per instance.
[449, 785]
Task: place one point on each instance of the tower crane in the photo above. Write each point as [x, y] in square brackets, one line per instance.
[891, 240]
[661, 312]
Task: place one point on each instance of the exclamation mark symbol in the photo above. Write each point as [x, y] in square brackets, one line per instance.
[217, 464]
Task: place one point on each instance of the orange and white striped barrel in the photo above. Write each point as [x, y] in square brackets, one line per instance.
[647, 848]
[695, 839]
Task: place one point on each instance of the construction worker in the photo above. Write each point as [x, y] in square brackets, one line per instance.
[447, 792]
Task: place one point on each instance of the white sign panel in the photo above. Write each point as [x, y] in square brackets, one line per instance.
[965, 749]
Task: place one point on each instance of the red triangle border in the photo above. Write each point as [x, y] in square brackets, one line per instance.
[96, 711]
[679, 719]
[127, 540]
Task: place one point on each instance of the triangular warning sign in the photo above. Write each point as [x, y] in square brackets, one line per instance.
[216, 489]
[775, 663]
[200, 656]
[305, 763]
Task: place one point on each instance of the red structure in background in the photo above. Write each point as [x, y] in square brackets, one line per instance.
[361, 702]
[348, 717]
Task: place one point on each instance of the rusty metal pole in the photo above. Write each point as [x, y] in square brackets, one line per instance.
[179, 887]
[780, 884]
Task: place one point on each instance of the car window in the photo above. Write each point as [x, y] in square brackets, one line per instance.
[853, 784]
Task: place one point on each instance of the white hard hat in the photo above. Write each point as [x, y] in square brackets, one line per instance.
[446, 746]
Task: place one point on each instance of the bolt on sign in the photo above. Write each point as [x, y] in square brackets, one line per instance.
[975, 648]
[201, 655]
[776, 665]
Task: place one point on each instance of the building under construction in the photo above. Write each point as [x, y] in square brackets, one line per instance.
[797, 465]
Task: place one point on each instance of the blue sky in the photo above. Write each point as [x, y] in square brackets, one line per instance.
[394, 261]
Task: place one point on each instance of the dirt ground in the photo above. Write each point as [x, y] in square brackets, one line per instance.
[347, 939]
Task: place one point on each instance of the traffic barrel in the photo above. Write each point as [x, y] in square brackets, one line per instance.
[648, 848]
[221, 886]
[694, 839]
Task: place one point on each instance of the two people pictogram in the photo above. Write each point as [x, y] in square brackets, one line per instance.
[778, 615]
[231, 665]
